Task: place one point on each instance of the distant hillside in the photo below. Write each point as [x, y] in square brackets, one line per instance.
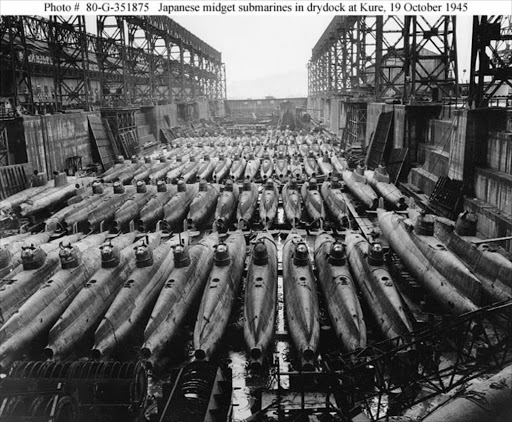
[281, 85]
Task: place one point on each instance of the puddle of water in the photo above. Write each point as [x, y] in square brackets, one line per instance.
[282, 348]
[280, 215]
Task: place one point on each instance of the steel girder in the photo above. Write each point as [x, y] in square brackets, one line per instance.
[68, 47]
[137, 60]
[385, 57]
[161, 80]
[491, 58]
[141, 63]
[431, 66]
[112, 60]
[391, 67]
[198, 68]
[16, 57]
[437, 359]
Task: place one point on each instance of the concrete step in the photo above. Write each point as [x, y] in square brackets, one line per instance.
[499, 151]
[435, 160]
[423, 179]
[495, 188]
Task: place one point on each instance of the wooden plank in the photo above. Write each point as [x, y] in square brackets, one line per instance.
[111, 137]
[395, 163]
[102, 142]
[446, 197]
[379, 141]
[165, 136]
[13, 179]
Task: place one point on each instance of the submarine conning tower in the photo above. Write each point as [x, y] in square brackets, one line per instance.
[109, 256]
[301, 256]
[68, 256]
[375, 253]
[337, 255]
[181, 257]
[260, 253]
[221, 257]
[143, 256]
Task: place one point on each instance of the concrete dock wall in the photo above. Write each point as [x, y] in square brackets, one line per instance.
[475, 147]
[156, 118]
[495, 188]
[499, 151]
[52, 139]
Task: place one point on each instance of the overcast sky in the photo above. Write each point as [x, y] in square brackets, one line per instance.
[264, 55]
[268, 55]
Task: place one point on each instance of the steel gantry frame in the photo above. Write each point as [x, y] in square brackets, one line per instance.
[68, 47]
[385, 57]
[143, 60]
[491, 58]
[15, 58]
